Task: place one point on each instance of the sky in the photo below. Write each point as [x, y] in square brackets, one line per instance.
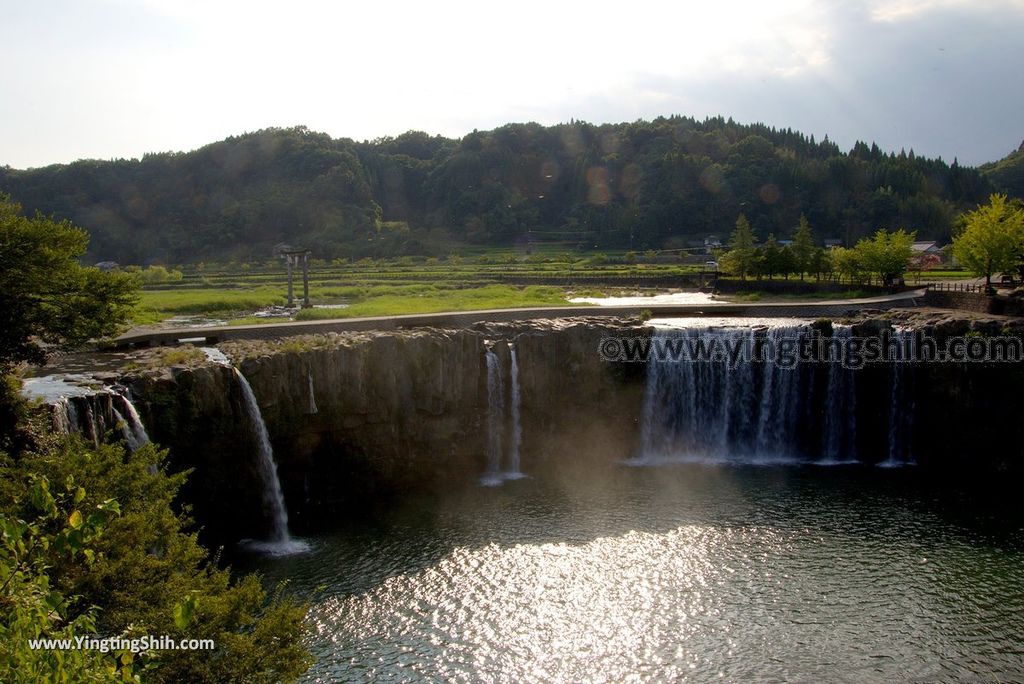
[109, 79]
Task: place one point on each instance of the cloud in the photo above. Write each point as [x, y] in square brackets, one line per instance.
[119, 78]
[904, 10]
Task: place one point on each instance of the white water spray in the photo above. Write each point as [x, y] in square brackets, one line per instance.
[134, 431]
[753, 412]
[504, 423]
[280, 541]
[840, 427]
[495, 419]
[901, 405]
[312, 396]
[517, 428]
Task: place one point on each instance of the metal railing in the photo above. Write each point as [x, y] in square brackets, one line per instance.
[955, 287]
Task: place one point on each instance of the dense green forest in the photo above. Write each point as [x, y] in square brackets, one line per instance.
[1007, 174]
[642, 185]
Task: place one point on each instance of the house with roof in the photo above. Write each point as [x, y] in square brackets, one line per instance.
[926, 247]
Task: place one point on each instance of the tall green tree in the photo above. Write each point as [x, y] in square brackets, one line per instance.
[847, 263]
[886, 254]
[46, 296]
[992, 239]
[771, 257]
[741, 258]
[803, 247]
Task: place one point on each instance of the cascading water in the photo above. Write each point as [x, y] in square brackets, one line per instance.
[495, 419]
[839, 436]
[280, 541]
[134, 431]
[504, 425]
[62, 417]
[312, 396]
[761, 412]
[901, 403]
[517, 428]
[709, 411]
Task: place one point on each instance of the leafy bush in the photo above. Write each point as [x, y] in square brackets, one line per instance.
[32, 608]
[135, 577]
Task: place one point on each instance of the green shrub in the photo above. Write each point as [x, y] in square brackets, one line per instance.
[134, 577]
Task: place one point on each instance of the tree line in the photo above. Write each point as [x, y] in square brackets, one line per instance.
[645, 185]
[988, 239]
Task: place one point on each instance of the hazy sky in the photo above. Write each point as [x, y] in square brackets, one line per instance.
[118, 78]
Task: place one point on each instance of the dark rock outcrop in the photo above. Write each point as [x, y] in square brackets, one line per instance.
[358, 418]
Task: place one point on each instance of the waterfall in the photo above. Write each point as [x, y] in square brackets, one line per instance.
[72, 412]
[215, 355]
[750, 412]
[495, 419]
[839, 435]
[94, 431]
[312, 397]
[504, 424]
[62, 417]
[901, 403]
[134, 431]
[709, 411]
[273, 499]
[759, 412]
[517, 428]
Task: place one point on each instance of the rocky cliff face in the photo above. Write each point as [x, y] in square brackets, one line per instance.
[357, 418]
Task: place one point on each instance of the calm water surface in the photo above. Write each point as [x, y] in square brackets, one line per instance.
[683, 573]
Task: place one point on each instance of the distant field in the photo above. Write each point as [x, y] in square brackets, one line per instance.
[233, 292]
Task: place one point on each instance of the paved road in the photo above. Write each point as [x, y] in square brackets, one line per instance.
[459, 319]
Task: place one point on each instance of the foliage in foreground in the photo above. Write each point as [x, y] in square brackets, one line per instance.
[32, 608]
[46, 296]
[144, 575]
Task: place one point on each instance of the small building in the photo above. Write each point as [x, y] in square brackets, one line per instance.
[108, 265]
[926, 247]
[833, 243]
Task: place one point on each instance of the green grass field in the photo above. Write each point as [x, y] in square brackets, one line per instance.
[486, 297]
[234, 292]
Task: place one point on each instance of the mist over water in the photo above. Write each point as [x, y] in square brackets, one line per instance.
[684, 573]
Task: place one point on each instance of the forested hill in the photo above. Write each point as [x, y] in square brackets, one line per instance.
[1007, 174]
[642, 185]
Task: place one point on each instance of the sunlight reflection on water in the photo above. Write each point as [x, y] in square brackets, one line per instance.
[682, 573]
